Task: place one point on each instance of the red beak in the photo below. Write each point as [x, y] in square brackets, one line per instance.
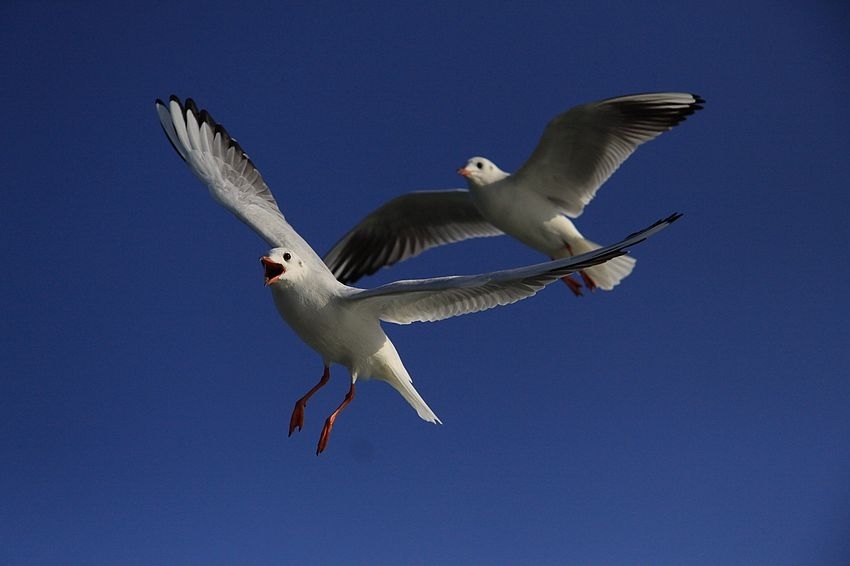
[273, 270]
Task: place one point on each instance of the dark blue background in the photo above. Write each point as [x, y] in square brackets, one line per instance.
[696, 415]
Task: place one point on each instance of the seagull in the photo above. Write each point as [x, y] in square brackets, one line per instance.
[341, 323]
[578, 151]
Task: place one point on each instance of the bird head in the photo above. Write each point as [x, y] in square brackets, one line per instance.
[282, 266]
[480, 171]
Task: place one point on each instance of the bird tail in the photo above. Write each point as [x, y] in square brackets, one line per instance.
[404, 385]
[396, 375]
[605, 275]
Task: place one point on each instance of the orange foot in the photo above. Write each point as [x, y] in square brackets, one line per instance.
[329, 423]
[297, 418]
[588, 282]
[326, 434]
[574, 285]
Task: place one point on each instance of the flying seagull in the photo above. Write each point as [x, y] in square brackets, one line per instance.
[577, 153]
[342, 323]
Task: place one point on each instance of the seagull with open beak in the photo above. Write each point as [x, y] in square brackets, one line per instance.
[342, 323]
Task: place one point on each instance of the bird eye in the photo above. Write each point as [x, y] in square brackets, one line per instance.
[287, 256]
[479, 165]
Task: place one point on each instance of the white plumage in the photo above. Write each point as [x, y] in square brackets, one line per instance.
[577, 153]
[339, 322]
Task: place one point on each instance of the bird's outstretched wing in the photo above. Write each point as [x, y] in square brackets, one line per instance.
[232, 179]
[427, 300]
[582, 147]
[405, 227]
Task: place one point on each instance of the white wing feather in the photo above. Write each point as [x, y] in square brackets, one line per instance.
[232, 179]
[582, 147]
[429, 300]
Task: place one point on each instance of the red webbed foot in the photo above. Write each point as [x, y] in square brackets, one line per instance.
[297, 418]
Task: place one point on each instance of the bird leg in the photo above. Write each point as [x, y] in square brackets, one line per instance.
[329, 423]
[588, 282]
[574, 285]
[297, 418]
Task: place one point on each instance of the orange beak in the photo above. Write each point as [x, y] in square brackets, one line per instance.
[273, 270]
[463, 171]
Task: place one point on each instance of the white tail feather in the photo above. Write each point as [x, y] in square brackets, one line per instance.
[608, 274]
[404, 385]
[391, 370]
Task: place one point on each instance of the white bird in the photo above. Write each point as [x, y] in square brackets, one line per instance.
[339, 322]
[577, 153]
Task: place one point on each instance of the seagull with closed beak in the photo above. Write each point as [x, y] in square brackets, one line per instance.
[342, 323]
[578, 151]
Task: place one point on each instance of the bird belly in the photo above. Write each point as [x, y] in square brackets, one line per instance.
[338, 335]
[531, 219]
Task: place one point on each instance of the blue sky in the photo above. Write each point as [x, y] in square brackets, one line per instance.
[698, 414]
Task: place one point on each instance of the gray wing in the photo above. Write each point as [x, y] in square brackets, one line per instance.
[232, 179]
[427, 300]
[405, 227]
[582, 147]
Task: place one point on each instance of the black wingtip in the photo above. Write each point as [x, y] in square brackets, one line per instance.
[157, 104]
[664, 221]
[667, 221]
[190, 106]
[698, 103]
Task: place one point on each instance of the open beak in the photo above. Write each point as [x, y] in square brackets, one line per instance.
[273, 270]
[463, 171]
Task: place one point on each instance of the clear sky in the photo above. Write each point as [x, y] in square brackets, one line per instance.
[698, 414]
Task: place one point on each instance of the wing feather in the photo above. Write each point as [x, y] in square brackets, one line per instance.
[428, 300]
[581, 148]
[231, 177]
[405, 227]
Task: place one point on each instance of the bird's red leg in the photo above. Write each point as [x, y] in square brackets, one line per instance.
[297, 418]
[329, 423]
[574, 285]
[588, 282]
